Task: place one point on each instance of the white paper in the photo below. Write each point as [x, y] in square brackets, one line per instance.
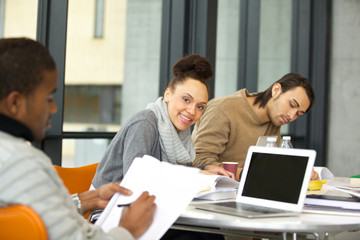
[212, 181]
[217, 194]
[324, 173]
[354, 191]
[174, 187]
[214, 188]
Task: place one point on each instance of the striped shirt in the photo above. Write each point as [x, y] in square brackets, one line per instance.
[28, 177]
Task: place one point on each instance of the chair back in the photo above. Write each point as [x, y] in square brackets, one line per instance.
[78, 179]
[21, 222]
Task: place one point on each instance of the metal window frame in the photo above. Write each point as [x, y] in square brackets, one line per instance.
[99, 18]
[187, 28]
[51, 31]
[310, 52]
[249, 44]
[2, 17]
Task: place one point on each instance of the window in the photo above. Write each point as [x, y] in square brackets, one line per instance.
[80, 152]
[99, 19]
[274, 44]
[274, 41]
[111, 75]
[127, 57]
[2, 17]
[227, 43]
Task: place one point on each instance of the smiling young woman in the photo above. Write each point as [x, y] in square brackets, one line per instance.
[162, 129]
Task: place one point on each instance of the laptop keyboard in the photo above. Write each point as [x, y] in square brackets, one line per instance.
[248, 207]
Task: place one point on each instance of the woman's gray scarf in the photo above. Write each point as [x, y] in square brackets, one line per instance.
[176, 147]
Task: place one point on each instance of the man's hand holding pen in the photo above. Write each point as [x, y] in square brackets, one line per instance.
[138, 216]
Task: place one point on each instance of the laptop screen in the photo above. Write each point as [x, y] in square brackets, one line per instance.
[275, 177]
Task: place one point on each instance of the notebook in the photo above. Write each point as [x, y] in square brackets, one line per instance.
[329, 204]
[331, 210]
[274, 183]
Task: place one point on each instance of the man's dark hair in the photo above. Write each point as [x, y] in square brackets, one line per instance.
[287, 82]
[22, 65]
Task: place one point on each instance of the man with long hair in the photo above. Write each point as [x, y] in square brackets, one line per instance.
[231, 124]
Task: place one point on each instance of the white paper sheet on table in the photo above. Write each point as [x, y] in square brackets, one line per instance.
[216, 187]
[173, 185]
[324, 173]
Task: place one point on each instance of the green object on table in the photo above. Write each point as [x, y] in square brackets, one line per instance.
[355, 176]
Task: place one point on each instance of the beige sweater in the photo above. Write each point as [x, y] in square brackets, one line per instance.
[228, 127]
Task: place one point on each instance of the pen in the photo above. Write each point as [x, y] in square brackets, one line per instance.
[124, 205]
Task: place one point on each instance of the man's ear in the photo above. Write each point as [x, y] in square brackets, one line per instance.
[276, 90]
[14, 102]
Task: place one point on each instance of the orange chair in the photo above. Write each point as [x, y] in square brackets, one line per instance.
[78, 179]
[21, 222]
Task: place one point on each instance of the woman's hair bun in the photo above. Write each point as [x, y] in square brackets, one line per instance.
[193, 66]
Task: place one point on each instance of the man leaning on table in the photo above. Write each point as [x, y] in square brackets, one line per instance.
[28, 79]
[231, 124]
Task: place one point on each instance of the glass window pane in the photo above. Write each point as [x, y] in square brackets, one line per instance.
[142, 56]
[18, 18]
[80, 152]
[227, 45]
[274, 43]
[109, 78]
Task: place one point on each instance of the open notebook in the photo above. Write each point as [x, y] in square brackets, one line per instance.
[274, 183]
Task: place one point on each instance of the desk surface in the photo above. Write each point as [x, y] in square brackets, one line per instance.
[301, 223]
[304, 223]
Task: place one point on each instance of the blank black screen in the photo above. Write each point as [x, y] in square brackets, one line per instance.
[275, 177]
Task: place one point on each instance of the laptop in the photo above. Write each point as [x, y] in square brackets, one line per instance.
[274, 183]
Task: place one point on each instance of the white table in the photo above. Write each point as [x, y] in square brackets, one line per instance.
[317, 225]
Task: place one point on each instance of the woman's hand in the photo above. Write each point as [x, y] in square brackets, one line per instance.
[216, 170]
[314, 175]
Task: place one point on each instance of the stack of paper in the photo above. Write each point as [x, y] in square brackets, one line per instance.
[353, 191]
[333, 201]
[174, 187]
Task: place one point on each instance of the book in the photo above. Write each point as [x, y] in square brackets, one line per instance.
[173, 185]
[330, 210]
[355, 180]
[217, 187]
[345, 202]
